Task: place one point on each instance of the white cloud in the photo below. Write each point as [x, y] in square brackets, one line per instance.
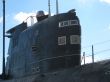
[105, 1]
[1, 19]
[86, 2]
[22, 16]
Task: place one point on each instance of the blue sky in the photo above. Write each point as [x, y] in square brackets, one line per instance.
[94, 17]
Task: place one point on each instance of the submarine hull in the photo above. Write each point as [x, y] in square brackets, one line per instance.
[93, 72]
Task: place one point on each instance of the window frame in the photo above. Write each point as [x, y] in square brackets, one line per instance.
[74, 23]
[62, 40]
[69, 23]
[75, 39]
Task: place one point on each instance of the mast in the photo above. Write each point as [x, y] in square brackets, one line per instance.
[92, 54]
[49, 8]
[84, 57]
[3, 68]
[57, 10]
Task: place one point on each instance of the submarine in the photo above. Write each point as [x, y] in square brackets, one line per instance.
[53, 43]
[50, 51]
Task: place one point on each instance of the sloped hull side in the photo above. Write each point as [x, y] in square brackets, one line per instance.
[97, 72]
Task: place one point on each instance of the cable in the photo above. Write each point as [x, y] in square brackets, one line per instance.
[102, 51]
[99, 52]
[98, 43]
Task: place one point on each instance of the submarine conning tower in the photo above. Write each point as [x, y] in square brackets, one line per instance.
[66, 39]
[65, 42]
[51, 44]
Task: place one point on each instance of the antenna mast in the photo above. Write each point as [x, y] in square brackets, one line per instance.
[57, 10]
[3, 68]
[49, 8]
[92, 54]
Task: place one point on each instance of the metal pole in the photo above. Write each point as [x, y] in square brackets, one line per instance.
[32, 20]
[3, 68]
[49, 8]
[92, 54]
[84, 57]
[57, 10]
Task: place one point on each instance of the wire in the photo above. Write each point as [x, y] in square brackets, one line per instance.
[102, 51]
[97, 53]
[98, 43]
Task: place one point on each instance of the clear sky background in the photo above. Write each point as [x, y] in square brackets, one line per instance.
[94, 17]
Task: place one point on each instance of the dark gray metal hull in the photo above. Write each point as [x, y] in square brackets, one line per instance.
[97, 72]
[49, 51]
[49, 45]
